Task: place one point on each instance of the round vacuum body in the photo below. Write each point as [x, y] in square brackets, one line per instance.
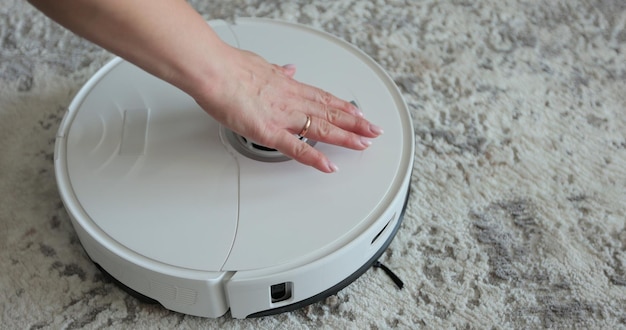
[183, 211]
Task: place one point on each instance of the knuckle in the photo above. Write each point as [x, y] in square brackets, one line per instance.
[362, 125]
[332, 116]
[300, 150]
[325, 97]
[324, 129]
[323, 108]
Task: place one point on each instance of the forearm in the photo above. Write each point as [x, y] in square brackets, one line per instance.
[167, 38]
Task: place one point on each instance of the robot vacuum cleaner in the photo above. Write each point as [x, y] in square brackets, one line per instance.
[182, 211]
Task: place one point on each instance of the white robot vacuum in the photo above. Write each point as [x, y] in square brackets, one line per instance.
[182, 211]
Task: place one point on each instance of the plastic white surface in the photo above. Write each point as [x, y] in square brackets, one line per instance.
[158, 193]
[291, 213]
[159, 201]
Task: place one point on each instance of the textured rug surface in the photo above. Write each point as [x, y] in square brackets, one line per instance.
[517, 212]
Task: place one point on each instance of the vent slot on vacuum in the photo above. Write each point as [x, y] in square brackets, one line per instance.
[383, 230]
[257, 151]
[264, 148]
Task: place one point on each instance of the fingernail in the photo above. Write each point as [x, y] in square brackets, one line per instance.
[333, 168]
[376, 129]
[366, 142]
[358, 112]
[289, 66]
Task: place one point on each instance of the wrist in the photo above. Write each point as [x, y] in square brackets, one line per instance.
[201, 73]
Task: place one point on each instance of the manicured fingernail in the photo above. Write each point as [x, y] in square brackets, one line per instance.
[289, 66]
[333, 168]
[376, 129]
[366, 142]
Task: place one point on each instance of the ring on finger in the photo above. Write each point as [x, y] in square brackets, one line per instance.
[305, 128]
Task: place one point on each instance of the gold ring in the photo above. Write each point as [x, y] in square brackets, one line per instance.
[305, 128]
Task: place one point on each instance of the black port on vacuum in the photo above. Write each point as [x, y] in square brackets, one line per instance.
[281, 292]
[263, 148]
[258, 146]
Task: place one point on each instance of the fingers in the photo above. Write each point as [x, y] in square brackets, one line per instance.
[328, 100]
[324, 131]
[302, 152]
[286, 108]
[340, 128]
[341, 119]
[320, 96]
[338, 112]
[333, 121]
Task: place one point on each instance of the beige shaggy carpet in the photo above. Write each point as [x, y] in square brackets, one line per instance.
[517, 213]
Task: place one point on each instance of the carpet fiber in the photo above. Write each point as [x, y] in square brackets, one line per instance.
[517, 212]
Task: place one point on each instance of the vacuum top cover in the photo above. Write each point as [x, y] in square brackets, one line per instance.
[149, 174]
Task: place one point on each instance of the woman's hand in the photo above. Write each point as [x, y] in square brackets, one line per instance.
[263, 102]
[254, 98]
